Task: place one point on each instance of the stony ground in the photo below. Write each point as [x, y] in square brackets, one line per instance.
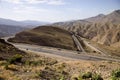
[40, 67]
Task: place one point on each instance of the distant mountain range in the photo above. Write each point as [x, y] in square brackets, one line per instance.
[32, 24]
[26, 23]
[104, 29]
[9, 30]
[10, 27]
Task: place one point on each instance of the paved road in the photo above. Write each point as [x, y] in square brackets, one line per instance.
[78, 44]
[62, 52]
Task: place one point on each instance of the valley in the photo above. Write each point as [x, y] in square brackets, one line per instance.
[41, 60]
[85, 49]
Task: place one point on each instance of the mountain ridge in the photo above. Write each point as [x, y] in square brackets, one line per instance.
[104, 29]
[25, 23]
[10, 27]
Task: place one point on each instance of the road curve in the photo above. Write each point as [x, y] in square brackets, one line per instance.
[62, 52]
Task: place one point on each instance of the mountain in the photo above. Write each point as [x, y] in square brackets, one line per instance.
[113, 17]
[10, 27]
[9, 30]
[96, 18]
[26, 23]
[104, 29]
[46, 36]
[9, 22]
[33, 23]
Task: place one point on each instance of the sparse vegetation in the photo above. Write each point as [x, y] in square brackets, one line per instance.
[15, 58]
[39, 67]
[96, 77]
[34, 66]
[87, 75]
[7, 50]
[116, 74]
[6, 66]
[52, 74]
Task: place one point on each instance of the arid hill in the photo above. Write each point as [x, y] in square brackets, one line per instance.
[7, 50]
[46, 36]
[104, 29]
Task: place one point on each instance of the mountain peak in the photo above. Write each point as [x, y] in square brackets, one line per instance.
[101, 15]
[117, 11]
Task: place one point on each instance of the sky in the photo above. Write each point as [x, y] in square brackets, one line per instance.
[55, 10]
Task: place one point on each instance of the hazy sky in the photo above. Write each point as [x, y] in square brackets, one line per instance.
[55, 10]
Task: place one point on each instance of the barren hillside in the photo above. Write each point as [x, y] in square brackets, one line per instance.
[104, 29]
[46, 36]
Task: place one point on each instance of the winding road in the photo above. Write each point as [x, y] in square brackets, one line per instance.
[60, 52]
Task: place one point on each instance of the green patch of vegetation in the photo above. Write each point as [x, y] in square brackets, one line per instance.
[40, 62]
[87, 75]
[96, 77]
[15, 58]
[6, 66]
[62, 78]
[116, 75]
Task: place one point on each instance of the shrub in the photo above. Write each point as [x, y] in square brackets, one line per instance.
[96, 77]
[15, 58]
[116, 74]
[27, 62]
[79, 78]
[87, 75]
[2, 78]
[62, 78]
[6, 67]
[91, 76]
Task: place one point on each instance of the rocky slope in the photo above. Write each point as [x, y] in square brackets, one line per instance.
[7, 50]
[104, 29]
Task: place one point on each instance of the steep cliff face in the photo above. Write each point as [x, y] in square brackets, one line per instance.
[104, 29]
